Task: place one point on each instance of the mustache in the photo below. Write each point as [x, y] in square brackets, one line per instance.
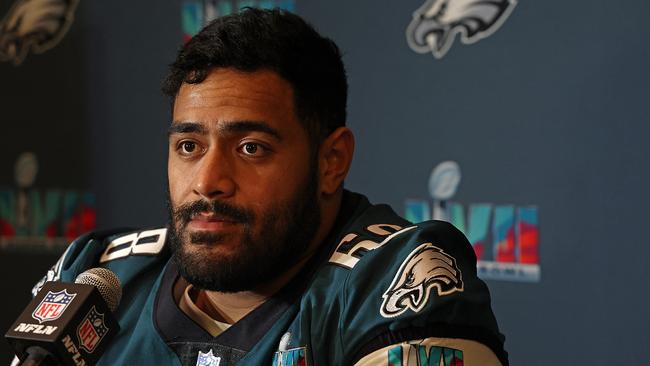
[185, 212]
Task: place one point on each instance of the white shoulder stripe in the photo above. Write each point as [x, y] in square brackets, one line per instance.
[149, 242]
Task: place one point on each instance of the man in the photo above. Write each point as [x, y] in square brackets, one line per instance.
[267, 260]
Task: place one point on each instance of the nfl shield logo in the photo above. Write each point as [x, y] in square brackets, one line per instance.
[207, 359]
[91, 330]
[52, 306]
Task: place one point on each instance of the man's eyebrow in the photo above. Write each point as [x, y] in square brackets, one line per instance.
[250, 126]
[226, 127]
[186, 127]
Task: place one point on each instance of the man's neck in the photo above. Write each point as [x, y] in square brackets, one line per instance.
[230, 307]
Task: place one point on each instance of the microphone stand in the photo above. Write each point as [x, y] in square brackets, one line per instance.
[39, 356]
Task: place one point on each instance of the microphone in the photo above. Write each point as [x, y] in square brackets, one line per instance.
[68, 323]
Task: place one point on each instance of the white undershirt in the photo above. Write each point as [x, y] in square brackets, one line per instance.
[187, 305]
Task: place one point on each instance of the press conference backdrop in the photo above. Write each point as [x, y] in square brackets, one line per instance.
[543, 116]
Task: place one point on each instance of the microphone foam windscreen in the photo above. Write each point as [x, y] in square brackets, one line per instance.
[106, 282]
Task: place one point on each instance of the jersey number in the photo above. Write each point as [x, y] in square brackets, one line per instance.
[353, 246]
[148, 242]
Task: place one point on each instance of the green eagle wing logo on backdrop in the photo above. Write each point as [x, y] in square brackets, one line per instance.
[436, 23]
[34, 26]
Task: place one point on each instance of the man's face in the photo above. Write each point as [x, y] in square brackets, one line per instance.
[242, 184]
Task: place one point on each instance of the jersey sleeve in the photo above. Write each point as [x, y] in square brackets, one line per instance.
[78, 255]
[419, 293]
[83, 253]
[432, 351]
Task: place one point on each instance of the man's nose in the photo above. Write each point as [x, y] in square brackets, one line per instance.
[214, 177]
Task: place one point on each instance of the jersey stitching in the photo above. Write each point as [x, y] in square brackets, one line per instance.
[347, 278]
[343, 310]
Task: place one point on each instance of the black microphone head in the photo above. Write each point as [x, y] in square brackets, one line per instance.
[106, 282]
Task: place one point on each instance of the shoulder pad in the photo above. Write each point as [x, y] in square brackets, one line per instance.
[99, 247]
[419, 277]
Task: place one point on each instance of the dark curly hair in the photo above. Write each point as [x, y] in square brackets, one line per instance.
[276, 40]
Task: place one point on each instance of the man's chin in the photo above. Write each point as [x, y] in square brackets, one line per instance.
[213, 269]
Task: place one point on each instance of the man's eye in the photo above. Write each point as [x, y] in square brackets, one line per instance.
[187, 147]
[252, 149]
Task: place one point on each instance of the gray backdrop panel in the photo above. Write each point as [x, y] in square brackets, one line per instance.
[548, 111]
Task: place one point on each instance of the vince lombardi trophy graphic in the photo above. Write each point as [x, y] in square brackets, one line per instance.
[25, 172]
[443, 183]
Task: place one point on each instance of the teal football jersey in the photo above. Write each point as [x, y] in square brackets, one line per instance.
[377, 282]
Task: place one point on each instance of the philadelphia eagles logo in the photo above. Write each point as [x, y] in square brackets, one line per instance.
[426, 267]
[34, 26]
[436, 23]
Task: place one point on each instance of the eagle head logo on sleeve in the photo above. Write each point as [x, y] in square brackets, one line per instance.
[425, 268]
[436, 23]
[34, 26]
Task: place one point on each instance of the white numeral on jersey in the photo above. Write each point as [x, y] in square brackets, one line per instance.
[348, 253]
[148, 242]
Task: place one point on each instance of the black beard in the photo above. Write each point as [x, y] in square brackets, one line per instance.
[287, 229]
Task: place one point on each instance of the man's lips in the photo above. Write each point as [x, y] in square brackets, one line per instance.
[210, 222]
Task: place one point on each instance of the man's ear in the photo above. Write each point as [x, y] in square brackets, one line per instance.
[335, 157]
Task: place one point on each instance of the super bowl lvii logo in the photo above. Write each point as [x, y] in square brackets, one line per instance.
[505, 237]
[32, 218]
[196, 14]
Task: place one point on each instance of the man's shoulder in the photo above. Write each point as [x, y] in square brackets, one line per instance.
[371, 242]
[400, 281]
[415, 270]
[121, 250]
[409, 268]
[375, 231]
